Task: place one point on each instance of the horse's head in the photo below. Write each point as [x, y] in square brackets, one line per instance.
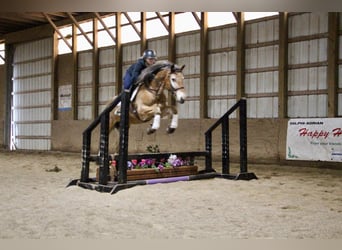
[175, 83]
[165, 75]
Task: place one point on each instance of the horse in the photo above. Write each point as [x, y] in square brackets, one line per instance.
[149, 100]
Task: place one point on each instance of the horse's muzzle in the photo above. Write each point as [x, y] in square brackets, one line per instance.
[181, 101]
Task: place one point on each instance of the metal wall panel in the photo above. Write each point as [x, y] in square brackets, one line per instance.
[84, 85]
[262, 31]
[32, 106]
[262, 57]
[222, 67]
[308, 24]
[308, 51]
[220, 90]
[160, 45]
[264, 86]
[261, 80]
[186, 43]
[130, 54]
[307, 106]
[222, 37]
[188, 49]
[307, 77]
[107, 84]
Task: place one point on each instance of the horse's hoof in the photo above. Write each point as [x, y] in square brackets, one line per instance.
[170, 130]
[150, 131]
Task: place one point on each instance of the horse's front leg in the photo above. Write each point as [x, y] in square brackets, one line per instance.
[174, 120]
[156, 121]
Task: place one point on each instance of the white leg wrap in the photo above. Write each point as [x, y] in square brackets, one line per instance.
[174, 121]
[156, 122]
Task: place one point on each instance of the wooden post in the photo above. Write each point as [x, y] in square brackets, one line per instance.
[204, 66]
[9, 54]
[118, 54]
[283, 65]
[96, 69]
[240, 64]
[332, 69]
[171, 48]
[75, 78]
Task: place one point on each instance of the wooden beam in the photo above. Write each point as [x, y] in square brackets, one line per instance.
[240, 64]
[96, 69]
[236, 15]
[196, 18]
[57, 30]
[54, 78]
[332, 69]
[118, 55]
[132, 24]
[283, 65]
[105, 26]
[162, 20]
[172, 38]
[9, 51]
[204, 66]
[80, 28]
[143, 41]
[171, 48]
[75, 76]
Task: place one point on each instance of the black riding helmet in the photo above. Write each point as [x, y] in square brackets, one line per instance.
[149, 53]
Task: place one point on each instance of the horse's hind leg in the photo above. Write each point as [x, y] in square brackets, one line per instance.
[174, 120]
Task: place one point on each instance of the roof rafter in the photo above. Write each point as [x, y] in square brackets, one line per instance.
[57, 30]
[80, 28]
[105, 26]
[132, 24]
[162, 21]
[198, 20]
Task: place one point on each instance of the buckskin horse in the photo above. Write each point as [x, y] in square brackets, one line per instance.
[149, 100]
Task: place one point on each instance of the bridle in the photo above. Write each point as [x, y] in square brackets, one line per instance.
[157, 92]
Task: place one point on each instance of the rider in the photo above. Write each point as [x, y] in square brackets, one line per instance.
[149, 57]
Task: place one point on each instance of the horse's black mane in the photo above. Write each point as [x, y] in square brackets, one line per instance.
[154, 69]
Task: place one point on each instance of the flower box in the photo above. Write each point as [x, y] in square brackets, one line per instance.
[144, 169]
[150, 173]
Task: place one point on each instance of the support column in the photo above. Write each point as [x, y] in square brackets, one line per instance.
[75, 78]
[143, 43]
[118, 54]
[171, 48]
[204, 66]
[9, 54]
[96, 69]
[332, 70]
[240, 55]
[283, 65]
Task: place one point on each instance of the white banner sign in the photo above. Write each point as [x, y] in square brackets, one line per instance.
[318, 139]
[64, 97]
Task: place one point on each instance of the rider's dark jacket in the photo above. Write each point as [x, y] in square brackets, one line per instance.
[133, 72]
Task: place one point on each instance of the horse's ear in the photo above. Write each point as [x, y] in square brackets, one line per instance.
[181, 69]
[173, 69]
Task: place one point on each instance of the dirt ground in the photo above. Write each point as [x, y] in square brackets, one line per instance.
[285, 202]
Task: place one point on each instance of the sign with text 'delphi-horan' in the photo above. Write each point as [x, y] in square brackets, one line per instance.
[314, 139]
